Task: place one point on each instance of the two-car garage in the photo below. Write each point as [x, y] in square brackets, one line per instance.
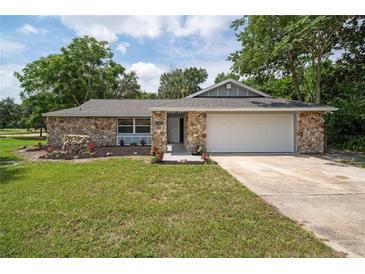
[250, 132]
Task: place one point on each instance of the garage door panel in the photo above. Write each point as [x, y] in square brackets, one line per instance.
[250, 133]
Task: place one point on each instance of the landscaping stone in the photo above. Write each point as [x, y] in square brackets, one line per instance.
[75, 144]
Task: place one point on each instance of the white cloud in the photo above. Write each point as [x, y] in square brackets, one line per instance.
[9, 85]
[10, 48]
[29, 29]
[109, 27]
[148, 75]
[203, 26]
[122, 47]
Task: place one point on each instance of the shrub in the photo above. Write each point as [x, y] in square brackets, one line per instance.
[199, 150]
[91, 147]
[205, 156]
[134, 144]
[153, 159]
[157, 155]
[353, 143]
[142, 142]
[50, 149]
[121, 142]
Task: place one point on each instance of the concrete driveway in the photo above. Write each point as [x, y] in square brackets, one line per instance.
[326, 197]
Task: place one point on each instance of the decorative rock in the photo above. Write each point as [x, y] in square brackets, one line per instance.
[74, 144]
[109, 153]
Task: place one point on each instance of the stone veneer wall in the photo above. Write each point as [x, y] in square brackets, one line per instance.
[159, 129]
[195, 125]
[310, 132]
[101, 130]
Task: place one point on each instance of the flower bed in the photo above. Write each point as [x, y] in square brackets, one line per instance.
[100, 152]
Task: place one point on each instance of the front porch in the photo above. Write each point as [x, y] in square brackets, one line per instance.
[187, 129]
[177, 153]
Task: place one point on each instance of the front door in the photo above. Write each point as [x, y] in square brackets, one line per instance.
[173, 130]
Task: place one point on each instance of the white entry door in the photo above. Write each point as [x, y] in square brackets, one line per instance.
[250, 132]
[173, 130]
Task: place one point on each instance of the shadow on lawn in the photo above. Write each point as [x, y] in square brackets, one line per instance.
[8, 171]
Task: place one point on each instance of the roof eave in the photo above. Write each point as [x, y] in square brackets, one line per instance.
[249, 109]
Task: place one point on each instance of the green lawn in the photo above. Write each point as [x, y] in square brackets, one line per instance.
[129, 208]
[17, 131]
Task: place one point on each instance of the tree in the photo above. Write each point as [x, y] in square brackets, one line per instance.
[317, 37]
[9, 113]
[83, 70]
[275, 46]
[34, 106]
[179, 83]
[127, 87]
[224, 76]
[263, 55]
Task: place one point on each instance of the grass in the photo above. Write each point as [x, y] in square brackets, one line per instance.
[17, 131]
[128, 208]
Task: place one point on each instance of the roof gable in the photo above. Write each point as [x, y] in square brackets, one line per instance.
[229, 88]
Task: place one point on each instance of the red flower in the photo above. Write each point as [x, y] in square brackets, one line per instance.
[91, 147]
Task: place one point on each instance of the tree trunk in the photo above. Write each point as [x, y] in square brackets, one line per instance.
[295, 78]
[318, 79]
[40, 132]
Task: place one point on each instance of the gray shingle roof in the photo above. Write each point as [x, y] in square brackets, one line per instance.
[141, 107]
[110, 107]
[257, 102]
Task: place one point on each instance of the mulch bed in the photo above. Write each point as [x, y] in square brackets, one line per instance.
[103, 152]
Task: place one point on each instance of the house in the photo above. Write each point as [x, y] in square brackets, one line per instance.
[225, 117]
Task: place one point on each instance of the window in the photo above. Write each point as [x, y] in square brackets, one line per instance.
[125, 125]
[134, 125]
[142, 125]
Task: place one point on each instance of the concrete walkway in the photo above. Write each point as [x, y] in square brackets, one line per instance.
[176, 153]
[326, 197]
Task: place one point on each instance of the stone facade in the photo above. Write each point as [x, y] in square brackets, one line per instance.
[310, 132]
[159, 129]
[195, 125]
[101, 130]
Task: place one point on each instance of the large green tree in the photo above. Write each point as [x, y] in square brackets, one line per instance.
[276, 46]
[262, 57]
[179, 83]
[83, 70]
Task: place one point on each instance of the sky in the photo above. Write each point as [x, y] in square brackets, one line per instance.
[149, 45]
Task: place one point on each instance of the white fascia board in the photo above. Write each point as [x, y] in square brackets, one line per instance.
[325, 109]
[93, 115]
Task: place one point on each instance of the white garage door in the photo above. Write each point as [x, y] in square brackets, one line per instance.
[250, 132]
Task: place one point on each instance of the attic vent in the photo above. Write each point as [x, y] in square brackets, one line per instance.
[228, 86]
